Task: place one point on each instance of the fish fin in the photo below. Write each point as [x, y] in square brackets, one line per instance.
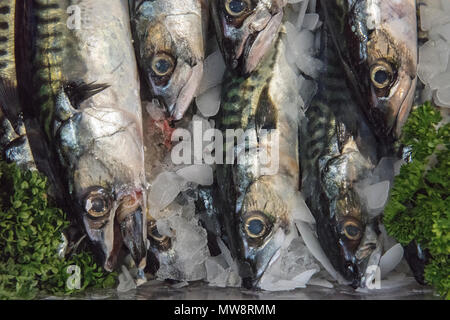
[79, 92]
[10, 102]
[266, 114]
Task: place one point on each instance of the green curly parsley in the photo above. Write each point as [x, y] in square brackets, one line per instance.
[419, 206]
[30, 233]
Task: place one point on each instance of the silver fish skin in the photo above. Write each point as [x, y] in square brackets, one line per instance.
[338, 149]
[246, 30]
[170, 44]
[97, 131]
[254, 207]
[378, 43]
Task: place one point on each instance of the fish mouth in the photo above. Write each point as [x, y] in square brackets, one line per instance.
[177, 96]
[132, 223]
[404, 109]
[253, 47]
[187, 93]
[258, 45]
[252, 282]
[341, 257]
[390, 113]
[257, 261]
[127, 233]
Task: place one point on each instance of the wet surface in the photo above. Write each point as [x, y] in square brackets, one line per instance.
[156, 290]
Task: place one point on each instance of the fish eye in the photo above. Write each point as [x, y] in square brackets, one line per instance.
[163, 65]
[236, 8]
[97, 203]
[381, 74]
[352, 231]
[256, 226]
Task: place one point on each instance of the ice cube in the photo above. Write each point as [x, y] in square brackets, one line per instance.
[384, 169]
[301, 211]
[308, 90]
[443, 31]
[316, 250]
[377, 194]
[433, 59]
[213, 70]
[164, 189]
[301, 14]
[209, 101]
[155, 110]
[440, 80]
[216, 273]
[445, 4]
[431, 17]
[201, 174]
[391, 259]
[311, 21]
[321, 283]
[185, 261]
[442, 97]
[299, 43]
[126, 281]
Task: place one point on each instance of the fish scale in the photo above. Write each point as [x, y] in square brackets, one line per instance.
[242, 95]
[50, 44]
[7, 47]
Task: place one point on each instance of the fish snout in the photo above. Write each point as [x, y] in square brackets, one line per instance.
[351, 273]
[390, 112]
[262, 43]
[177, 94]
[131, 220]
[245, 46]
[187, 92]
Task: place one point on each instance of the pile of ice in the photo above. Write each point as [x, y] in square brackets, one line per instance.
[434, 54]
[302, 37]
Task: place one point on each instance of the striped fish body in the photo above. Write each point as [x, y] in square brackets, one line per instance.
[255, 207]
[338, 151]
[7, 40]
[43, 49]
[14, 144]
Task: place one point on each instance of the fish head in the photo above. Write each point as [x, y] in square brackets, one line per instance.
[100, 149]
[246, 30]
[342, 228]
[262, 223]
[383, 53]
[341, 236]
[171, 50]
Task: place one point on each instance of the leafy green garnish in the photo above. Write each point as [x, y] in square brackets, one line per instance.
[419, 206]
[30, 233]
